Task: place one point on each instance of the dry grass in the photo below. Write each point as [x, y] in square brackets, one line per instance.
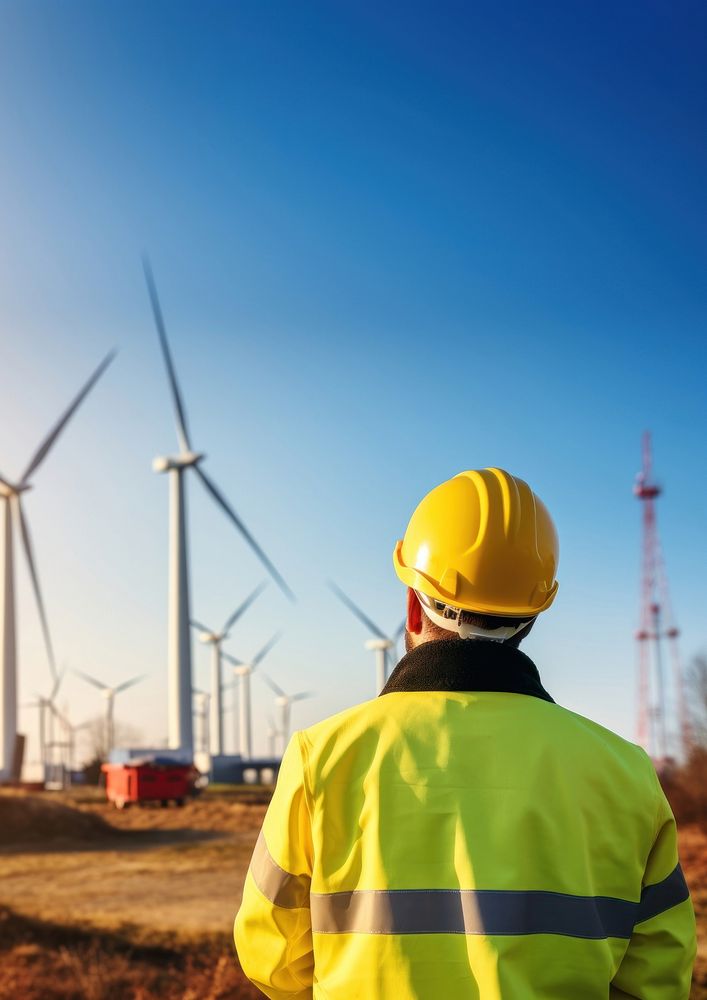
[138, 905]
[58, 962]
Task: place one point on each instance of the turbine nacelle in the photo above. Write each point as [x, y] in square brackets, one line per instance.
[8, 490]
[170, 462]
[212, 638]
[379, 644]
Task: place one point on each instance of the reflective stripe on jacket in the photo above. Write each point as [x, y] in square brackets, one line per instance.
[464, 837]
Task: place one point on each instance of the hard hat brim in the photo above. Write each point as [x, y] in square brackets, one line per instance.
[412, 577]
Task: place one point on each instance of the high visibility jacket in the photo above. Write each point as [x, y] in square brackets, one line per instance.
[462, 836]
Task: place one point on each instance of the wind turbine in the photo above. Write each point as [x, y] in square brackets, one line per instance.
[215, 639]
[381, 644]
[285, 701]
[179, 645]
[109, 692]
[14, 516]
[271, 736]
[243, 671]
[43, 704]
[70, 730]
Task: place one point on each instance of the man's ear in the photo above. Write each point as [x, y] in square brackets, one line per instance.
[414, 619]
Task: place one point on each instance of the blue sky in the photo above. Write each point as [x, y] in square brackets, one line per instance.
[391, 244]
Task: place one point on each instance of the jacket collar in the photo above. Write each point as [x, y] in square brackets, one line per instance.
[466, 665]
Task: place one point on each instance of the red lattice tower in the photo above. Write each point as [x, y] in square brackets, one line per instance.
[657, 624]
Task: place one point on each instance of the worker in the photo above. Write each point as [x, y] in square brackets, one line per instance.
[461, 835]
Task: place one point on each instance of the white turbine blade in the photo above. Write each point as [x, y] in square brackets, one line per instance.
[178, 402]
[45, 446]
[354, 608]
[302, 695]
[211, 488]
[57, 685]
[92, 680]
[58, 715]
[5, 482]
[232, 659]
[262, 653]
[272, 685]
[128, 684]
[202, 628]
[29, 555]
[242, 608]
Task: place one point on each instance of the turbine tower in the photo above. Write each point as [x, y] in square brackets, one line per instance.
[656, 624]
[202, 699]
[109, 694]
[11, 492]
[284, 702]
[243, 671]
[271, 734]
[44, 705]
[215, 640]
[381, 643]
[179, 639]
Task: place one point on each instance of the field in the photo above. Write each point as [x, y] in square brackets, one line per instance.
[105, 905]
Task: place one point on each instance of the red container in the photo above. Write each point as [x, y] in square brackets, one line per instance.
[148, 782]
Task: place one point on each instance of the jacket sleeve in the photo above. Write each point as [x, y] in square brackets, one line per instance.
[273, 930]
[658, 962]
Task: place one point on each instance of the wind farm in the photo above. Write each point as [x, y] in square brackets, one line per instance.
[187, 705]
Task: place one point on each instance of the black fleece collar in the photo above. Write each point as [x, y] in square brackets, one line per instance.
[466, 665]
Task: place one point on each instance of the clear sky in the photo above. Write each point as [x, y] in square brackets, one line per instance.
[392, 242]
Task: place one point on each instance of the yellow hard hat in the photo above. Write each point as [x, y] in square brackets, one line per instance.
[484, 542]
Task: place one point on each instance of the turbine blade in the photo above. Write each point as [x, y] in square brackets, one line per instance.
[272, 685]
[400, 631]
[57, 685]
[232, 659]
[5, 482]
[53, 709]
[92, 680]
[354, 608]
[202, 628]
[29, 555]
[128, 684]
[302, 695]
[242, 608]
[59, 715]
[179, 410]
[261, 654]
[211, 487]
[49, 440]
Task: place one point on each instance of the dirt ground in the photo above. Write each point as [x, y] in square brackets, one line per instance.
[97, 904]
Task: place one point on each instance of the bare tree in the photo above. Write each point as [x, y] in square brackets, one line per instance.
[97, 736]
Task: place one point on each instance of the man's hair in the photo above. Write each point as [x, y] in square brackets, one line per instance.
[436, 632]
